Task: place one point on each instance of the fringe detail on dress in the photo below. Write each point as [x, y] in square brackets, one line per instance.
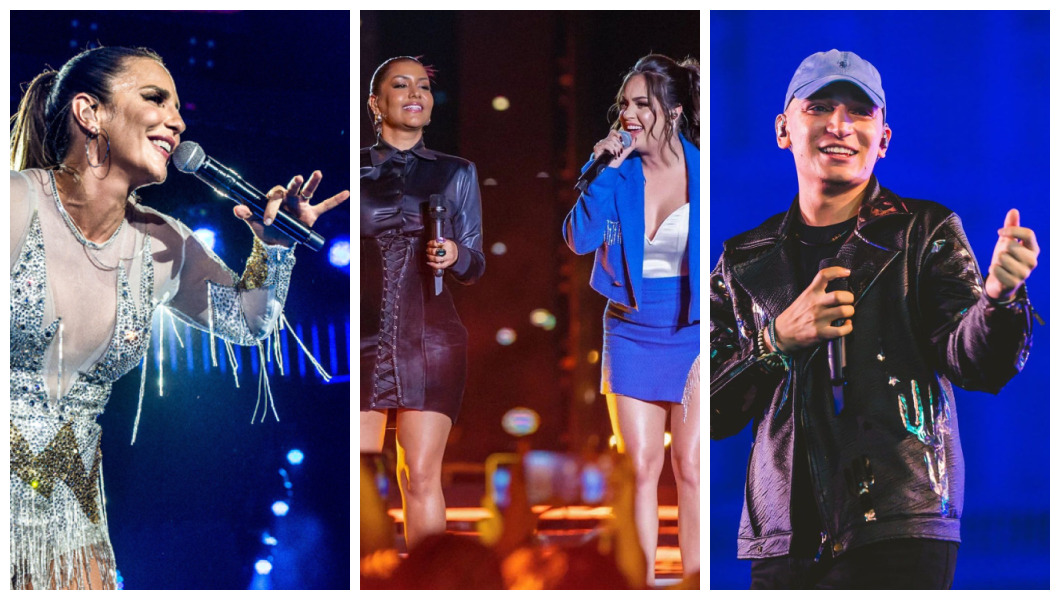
[691, 384]
[53, 546]
[309, 355]
[140, 401]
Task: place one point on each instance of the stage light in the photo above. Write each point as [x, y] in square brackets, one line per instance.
[499, 248]
[207, 236]
[295, 457]
[267, 539]
[505, 336]
[612, 442]
[339, 253]
[280, 508]
[500, 103]
[520, 421]
[263, 567]
[667, 438]
[543, 319]
[593, 484]
[593, 357]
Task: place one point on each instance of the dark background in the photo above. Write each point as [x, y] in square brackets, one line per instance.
[560, 71]
[267, 94]
[968, 101]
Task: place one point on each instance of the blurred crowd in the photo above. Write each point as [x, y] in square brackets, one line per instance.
[508, 553]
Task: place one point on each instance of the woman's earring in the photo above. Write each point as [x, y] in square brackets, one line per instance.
[88, 153]
[378, 119]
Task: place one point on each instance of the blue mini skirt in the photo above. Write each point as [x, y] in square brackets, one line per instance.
[648, 352]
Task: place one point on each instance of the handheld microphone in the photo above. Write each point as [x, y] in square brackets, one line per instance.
[837, 349]
[438, 211]
[190, 158]
[600, 163]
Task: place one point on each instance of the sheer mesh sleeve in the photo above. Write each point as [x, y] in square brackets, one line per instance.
[22, 206]
[201, 290]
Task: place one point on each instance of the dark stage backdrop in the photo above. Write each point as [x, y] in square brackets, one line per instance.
[560, 72]
[189, 505]
[968, 101]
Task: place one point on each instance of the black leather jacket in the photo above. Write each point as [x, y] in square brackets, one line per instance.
[889, 465]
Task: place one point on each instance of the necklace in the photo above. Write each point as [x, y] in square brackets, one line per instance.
[85, 242]
[73, 226]
[830, 240]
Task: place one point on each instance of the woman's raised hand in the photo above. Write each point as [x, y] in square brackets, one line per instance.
[612, 144]
[295, 200]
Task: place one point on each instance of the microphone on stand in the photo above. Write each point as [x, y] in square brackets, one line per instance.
[438, 211]
[190, 158]
[600, 163]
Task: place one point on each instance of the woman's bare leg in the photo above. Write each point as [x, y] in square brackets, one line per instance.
[641, 428]
[373, 430]
[421, 438]
[684, 456]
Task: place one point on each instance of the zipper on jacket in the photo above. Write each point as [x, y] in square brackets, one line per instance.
[818, 496]
[820, 549]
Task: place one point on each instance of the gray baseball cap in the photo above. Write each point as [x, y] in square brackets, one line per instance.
[823, 68]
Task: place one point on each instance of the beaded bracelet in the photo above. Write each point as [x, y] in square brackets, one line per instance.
[773, 336]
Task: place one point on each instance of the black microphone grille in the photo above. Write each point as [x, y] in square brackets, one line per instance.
[188, 157]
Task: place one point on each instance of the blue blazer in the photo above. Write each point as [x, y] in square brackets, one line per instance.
[611, 213]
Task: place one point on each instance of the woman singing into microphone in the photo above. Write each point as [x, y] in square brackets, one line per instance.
[89, 264]
[641, 217]
[413, 346]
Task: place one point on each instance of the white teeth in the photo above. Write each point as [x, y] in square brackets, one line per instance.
[836, 150]
[163, 144]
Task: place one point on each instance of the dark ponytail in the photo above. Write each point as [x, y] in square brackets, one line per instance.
[41, 130]
[690, 124]
[27, 125]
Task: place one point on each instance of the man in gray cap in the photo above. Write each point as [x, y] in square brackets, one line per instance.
[837, 329]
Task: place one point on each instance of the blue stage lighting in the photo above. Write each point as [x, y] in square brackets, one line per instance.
[295, 457]
[267, 539]
[207, 236]
[339, 254]
[263, 567]
[280, 508]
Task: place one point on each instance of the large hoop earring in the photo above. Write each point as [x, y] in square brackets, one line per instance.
[88, 153]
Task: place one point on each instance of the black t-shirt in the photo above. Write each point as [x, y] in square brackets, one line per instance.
[810, 245]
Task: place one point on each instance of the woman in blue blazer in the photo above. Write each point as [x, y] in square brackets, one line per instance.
[641, 217]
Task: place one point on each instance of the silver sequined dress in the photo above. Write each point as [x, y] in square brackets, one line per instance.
[80, 319]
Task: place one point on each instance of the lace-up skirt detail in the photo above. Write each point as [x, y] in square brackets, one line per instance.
[413, 346]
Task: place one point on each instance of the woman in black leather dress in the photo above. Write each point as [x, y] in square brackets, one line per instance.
[413, 346]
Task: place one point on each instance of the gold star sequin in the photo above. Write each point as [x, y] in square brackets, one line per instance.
[60, 462]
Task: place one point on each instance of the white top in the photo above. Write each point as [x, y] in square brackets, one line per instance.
[667, 254]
